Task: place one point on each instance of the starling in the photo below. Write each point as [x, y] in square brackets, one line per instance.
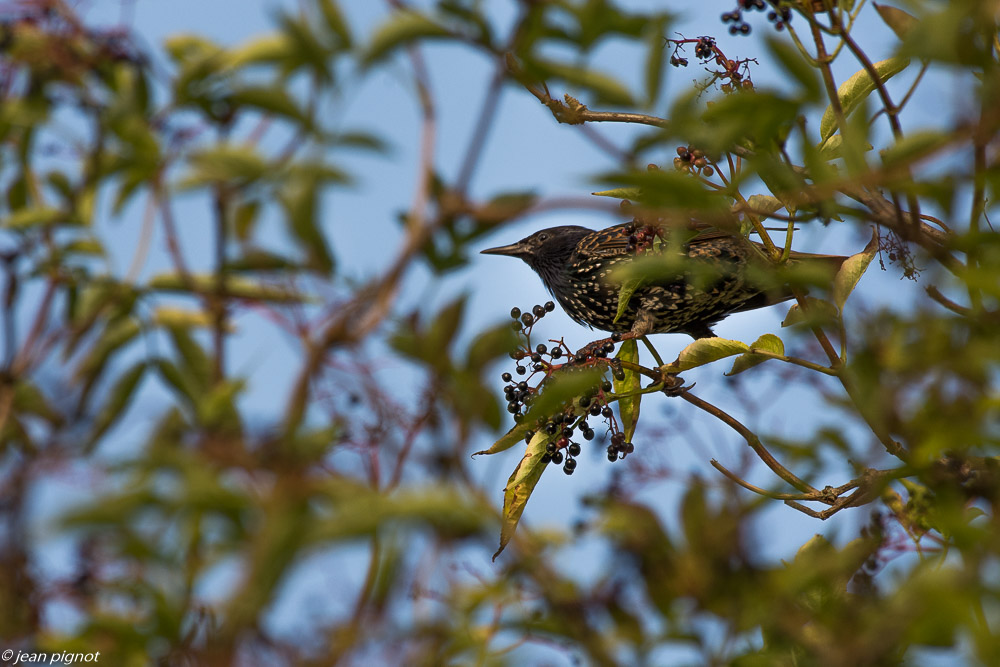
[582, 268]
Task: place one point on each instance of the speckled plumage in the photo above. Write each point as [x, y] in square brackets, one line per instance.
[579, 267]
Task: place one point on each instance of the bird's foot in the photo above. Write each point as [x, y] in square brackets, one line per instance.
[673, 385]
[602, 348]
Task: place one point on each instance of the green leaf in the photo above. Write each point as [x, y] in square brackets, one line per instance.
[226, 163]
[632, 194]
[705, 351]
[301, 203]
[182, 383]
[628, 406]
[181, 317]
[113, 339]
[900, 22]
[605, 87]
[271, 100]
[29, 400]
[236, 287]
[856, 89]
[195, 363]
[819, 313]
[764, 205]
[519, 487]
[336, 22]
[851, 271]
[768, 343]
[655, 59]
[914, 147]
[275, 48]
[793, 63]
[119, 398]
[244, 218]
[400, 30]
[41, 216]
[489, 345]
[625, 293]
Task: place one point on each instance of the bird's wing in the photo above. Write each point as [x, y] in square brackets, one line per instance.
[613, 240]
[606, 242]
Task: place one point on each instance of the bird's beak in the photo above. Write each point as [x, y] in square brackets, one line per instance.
[512, 250]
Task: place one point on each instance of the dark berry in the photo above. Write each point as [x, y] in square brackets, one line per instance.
[573, 449]
[551, 428]
[506, 377]
[595, 409]
[606, 385]
[550, 448]
[570, 464]
[515, 325]
[588, 434]
[567, 432]
[606, 412]
[584, 401]
[546, 458]
[616, 336]
[521, 370]
[538, 311]
[515, 313]
[527, 319]
[528, 436]
[541, 349]
[556, 352]
[557, 458]
[629, 448]
[612, 455]
[535, 357]
[549, 306]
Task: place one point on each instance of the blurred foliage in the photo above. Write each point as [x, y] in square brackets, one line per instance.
[91, 127]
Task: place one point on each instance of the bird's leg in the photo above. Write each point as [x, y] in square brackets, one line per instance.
[643, 324]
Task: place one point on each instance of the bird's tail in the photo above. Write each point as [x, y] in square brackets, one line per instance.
[821, 270]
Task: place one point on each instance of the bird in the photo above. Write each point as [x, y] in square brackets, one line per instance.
[585, 271]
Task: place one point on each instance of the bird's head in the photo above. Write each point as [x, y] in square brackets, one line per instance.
[544, 250]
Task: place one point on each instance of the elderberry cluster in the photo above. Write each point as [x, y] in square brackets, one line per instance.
[571, 418]
[619, 448]
[779, 15]
[705, 48]
[526, 320]
[640, 238]
[689, 159]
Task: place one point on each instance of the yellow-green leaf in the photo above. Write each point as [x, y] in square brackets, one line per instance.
[767, 343]
[851, 271]
[819, 313]
[900, 21]
[632, 194]
[854, 91]
[40, 216]
[628, 406]
[704, 351]
[519, 487]
[401, 29]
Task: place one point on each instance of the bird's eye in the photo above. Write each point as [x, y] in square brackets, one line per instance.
[543, 237]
